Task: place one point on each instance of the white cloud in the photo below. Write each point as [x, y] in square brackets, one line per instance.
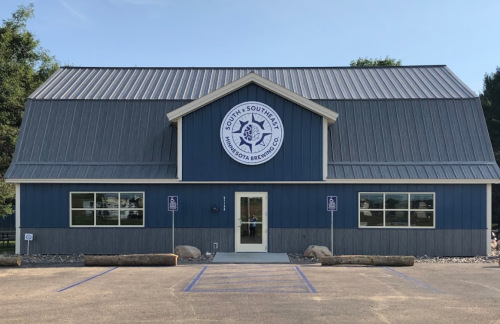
[72, 10]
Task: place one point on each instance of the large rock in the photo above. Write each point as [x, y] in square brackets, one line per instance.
[186, 251]
[317, 252]
[494, 244]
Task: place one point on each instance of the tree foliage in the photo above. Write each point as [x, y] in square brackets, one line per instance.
[490, 100]
[376, 62]
[24, 65]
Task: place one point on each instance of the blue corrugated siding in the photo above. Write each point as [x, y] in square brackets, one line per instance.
[290, 206]
[300, 157]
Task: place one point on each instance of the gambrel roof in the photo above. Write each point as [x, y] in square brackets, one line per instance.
[413, 122]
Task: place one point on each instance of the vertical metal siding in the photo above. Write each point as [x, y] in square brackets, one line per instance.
[453, 242]
[289, 206]
[300, 156]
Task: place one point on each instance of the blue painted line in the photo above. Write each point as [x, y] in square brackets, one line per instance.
[229, 277]
[195, 279]
[416, 281]
[306, 281]
[228, 273]
[256, 290]
[79, 283]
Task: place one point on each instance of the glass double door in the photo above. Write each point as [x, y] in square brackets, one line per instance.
[251, 222]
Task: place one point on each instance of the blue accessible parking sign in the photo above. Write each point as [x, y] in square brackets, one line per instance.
[331, 203]
[173, 203]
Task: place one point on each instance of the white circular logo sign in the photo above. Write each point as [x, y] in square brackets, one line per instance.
[251, 133]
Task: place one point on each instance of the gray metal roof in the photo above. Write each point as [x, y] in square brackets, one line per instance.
[485, 170]
[94, 123]
[409, 139]
[383, 139]
[97, 139]
[335, 83]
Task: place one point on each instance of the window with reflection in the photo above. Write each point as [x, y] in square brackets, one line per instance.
[396, 209]
[107, 208]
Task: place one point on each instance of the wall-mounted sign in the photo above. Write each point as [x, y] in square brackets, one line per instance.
[251, 133]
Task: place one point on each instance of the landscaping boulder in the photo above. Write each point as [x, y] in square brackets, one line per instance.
[494, 244]
[187, 251]
[317, 252]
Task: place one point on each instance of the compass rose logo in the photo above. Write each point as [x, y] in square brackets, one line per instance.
[252, 133]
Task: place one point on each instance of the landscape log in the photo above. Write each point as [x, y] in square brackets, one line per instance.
[10, 261]
[375, 260]
[131, 260]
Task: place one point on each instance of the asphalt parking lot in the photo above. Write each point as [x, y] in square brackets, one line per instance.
[425, 293]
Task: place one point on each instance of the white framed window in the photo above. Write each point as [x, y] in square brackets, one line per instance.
[397, 210]
[106, 209]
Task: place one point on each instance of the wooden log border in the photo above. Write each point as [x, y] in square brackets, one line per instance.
[131, 260]
[10, 261]
[374, 260]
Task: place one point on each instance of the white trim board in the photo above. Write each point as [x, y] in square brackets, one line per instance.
[179, 148]
[325, 149]
[18, 219]
[328, 181]
[330, 115]
[488, 219]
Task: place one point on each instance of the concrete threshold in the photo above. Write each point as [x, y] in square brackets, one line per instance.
[250, 257]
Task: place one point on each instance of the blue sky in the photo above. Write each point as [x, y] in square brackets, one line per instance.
[210, 33]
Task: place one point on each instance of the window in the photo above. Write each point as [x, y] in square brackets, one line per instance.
[107, 208]
[396, 209]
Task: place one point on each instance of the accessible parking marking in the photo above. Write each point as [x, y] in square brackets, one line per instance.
[88, 279]
[259, 278]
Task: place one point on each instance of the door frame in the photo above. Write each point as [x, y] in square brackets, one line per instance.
[238, 247]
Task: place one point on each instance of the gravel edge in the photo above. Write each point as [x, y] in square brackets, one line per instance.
[53, 259]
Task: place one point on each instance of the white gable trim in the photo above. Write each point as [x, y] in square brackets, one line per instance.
[330, 115]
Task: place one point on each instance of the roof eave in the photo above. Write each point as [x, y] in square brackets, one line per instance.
[330, 115]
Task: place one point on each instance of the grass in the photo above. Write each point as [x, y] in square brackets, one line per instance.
[11, 248]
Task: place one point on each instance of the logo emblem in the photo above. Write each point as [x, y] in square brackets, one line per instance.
[251, 133]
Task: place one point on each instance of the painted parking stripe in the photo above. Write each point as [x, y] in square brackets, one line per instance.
[245, 276]
[88, 279]
[259, 290]
[416, 281]
[268, 279]
[196, 279]
[241, 282]
[306, 280]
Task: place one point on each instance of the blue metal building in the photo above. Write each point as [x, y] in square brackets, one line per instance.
[252, 154]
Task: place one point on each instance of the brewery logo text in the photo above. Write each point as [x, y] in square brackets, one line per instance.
[251, 133]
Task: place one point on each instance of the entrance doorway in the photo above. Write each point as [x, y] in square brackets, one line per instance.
[251, 222]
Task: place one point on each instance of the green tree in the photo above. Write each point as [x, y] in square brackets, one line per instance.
[490, 100]
[24, 65]
[376, 62]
